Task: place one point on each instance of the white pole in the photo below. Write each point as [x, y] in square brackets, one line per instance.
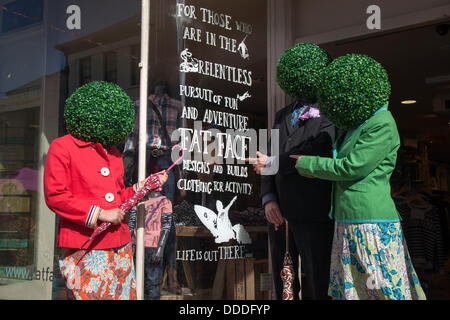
[145, 25]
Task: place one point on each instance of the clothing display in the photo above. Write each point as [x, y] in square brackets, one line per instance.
[184, 215]
[106, 274]
[424, 233]
[250, 216]
[158, 222]
[156, 208]
[170, 110]
[158, 154]
[153, 272]
[370, 261]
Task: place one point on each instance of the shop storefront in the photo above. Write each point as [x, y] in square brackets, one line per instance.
[213, 63]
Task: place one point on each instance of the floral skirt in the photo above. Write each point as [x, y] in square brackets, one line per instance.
[370, 261]
[99, 274]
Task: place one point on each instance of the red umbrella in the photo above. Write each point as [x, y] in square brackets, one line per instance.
[287, 273]
[138, 195]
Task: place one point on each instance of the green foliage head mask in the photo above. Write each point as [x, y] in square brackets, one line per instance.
[299, 71]
[354, 87]
[100, 112]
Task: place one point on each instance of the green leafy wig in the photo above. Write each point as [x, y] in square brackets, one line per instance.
[354, 87]
[299, 71]
[100, 112]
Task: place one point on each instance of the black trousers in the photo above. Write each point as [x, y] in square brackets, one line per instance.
[312, 241]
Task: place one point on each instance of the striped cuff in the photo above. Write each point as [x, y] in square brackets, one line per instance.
[136, 187]
[94, 212]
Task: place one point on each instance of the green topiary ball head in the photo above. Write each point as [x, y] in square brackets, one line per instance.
[354, 87]
[299, 71]
[100, 112]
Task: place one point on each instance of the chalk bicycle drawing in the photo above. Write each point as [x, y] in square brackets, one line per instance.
[189, 64]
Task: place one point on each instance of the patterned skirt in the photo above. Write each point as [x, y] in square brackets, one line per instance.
[370, 261]
[98, 274]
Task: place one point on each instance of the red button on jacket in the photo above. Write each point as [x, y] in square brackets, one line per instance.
[74, 183]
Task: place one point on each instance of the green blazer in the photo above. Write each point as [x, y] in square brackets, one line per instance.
[361, 171]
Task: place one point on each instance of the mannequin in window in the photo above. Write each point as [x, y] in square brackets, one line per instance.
[158, 149]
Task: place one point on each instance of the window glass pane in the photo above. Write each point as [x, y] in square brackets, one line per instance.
[135, 71]
[225, 44]
[207, 78]
[21, 13]
[18, 183]
[85, 41]
[85, 70]
[212, 90]
[99, 48]
[110, 67]
[21, 83]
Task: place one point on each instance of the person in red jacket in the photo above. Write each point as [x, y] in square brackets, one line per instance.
[83, 184]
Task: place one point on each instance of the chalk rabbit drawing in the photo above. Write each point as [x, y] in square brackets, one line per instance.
[220, 225]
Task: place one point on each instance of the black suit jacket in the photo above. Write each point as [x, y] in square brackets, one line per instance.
[301, 199]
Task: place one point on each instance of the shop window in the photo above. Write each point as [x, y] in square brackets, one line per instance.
[110, 66]
[85, 70]
[224, 42]
[197, 53]
[29, 8]
[18, 191]
[135, 71]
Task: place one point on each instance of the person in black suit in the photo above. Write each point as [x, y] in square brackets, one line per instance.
[303, 202]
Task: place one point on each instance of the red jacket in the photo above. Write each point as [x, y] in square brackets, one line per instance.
[80, 180]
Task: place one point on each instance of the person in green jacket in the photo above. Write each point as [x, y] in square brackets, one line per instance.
[370, 259]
